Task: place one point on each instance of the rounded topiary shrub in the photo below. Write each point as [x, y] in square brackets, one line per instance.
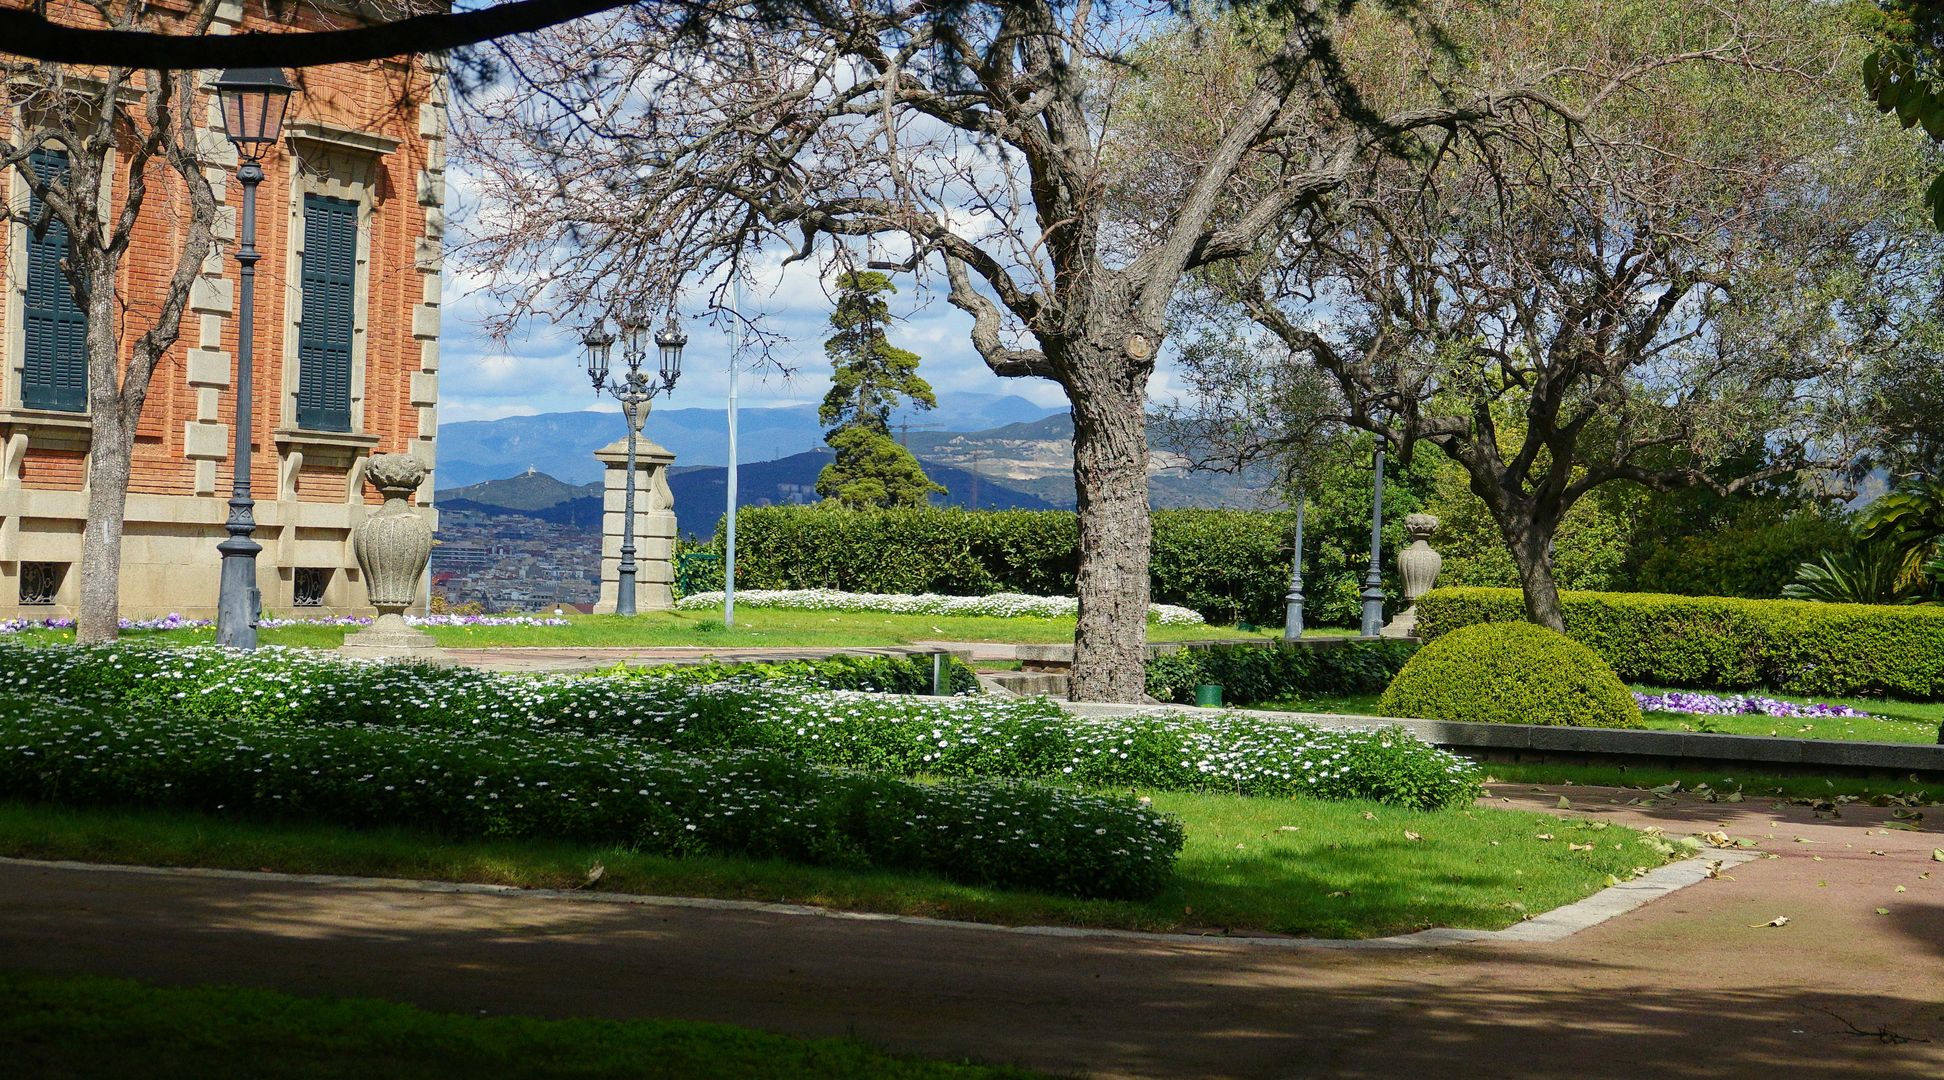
[1511, 673]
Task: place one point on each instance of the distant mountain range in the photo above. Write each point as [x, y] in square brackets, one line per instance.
[562, 444]
[701, 492]
[1025, 464]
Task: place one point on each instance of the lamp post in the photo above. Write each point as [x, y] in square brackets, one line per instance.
[253, 100]
[1373, 591]
[1293, 607]
[634, 391]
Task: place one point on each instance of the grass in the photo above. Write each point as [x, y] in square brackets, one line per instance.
[754, 626]
[1890, 720]
[1327, 869]
[114, 1028]
[1753, 783]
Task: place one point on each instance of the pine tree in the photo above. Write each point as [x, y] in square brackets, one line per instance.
[869, 376]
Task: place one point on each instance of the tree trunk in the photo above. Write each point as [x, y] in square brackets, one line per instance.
[111, 443]
[99, 615]
[1110, 456]
[1532, 552]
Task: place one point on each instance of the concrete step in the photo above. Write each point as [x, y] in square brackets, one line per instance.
[1029, 683]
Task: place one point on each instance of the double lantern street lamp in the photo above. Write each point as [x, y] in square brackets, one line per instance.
[253, 100]
[634, 391]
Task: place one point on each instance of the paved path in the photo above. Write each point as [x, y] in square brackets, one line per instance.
[1691, 986]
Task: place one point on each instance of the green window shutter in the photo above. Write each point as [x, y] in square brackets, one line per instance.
[324, 337]
[54, 374]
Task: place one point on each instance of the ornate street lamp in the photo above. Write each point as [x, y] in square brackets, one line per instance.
[253, 100]
[1293, 603]
[634, 391]
[1373, 590]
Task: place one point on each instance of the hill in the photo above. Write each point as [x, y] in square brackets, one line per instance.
[562, 444]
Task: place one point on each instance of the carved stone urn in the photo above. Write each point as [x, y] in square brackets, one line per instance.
[1418, 565]
[393, 546]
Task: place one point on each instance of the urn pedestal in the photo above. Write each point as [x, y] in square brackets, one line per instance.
[1418, 565]
[393, 546]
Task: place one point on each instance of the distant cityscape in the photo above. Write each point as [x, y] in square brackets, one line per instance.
[512, 562]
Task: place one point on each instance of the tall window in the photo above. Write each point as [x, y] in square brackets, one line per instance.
[54, 371]
[324, 337]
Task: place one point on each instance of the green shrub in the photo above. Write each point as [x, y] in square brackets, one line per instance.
[492, 782]
[1722, 643]
[1253, 673]
[1229, 565]
[882, 674]
[1511, 673]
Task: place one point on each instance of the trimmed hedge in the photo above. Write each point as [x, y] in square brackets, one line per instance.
[490, 782]
[881, 674]
[1230, 565]
[1511, 673]
[1252, 673]
[1720, 643]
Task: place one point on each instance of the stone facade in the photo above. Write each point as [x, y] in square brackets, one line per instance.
[367, 136]
[654, 525]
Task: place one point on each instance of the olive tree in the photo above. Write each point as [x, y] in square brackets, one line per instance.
[1706, 242]
[979, 142]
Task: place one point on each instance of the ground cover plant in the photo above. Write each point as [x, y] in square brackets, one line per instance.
[1248, 865]
[490, 781]
[1510, 673]
[1003, 605]
[95, 1027]
[967, 738]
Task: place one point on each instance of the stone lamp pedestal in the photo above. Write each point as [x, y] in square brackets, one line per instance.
[654, 526]
[393, 546]
[1418, 565]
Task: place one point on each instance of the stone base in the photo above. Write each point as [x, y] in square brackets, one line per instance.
[1404, 626]
[389, 638]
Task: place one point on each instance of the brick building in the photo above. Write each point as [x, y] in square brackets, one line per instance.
[350, 223]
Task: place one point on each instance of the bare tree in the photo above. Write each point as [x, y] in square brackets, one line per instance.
[125, 137]
[1693, 250]
[976, 141]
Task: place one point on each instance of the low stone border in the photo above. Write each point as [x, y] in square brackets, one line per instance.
[1679, 749]
[1554, 925]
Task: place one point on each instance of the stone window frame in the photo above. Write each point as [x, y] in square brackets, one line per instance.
[345, 164]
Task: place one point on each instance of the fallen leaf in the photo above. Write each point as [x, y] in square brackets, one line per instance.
[1873, 852]
[1900, 888]
[1338, 893]
[594, 874]
[1779, 920]
[1579, 847]
[1818, 858]
[1368, 816]
[1718, 839]
[1667, 789]
[1289, 828]
[1545, 836]
[1409, 835]
[1565, 803]
[1494, 843]
[1883, 911]
[1937, 855]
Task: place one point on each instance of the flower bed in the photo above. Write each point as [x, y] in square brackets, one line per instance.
[995, 605]
[504, 783]
[875, 674]
[177, 622]
[965, 737]
[1681, 701]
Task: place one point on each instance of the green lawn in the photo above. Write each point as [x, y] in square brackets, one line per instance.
[754, 626]
[113, 1028]
[1752, 783]
[1329, 869]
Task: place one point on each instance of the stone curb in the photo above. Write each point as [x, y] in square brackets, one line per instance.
[1552, 926]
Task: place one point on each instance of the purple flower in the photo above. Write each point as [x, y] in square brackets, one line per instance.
[1684, 701]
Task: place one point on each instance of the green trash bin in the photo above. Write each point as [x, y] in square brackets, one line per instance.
[1209, 695]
